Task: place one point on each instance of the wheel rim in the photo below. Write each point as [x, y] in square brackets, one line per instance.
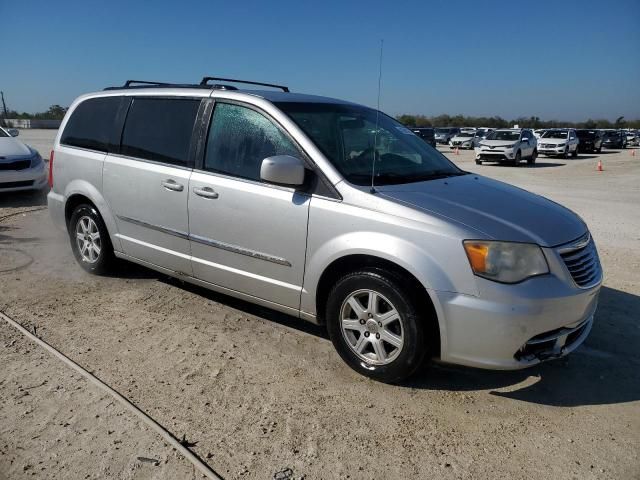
[88, 239]
[372, 327]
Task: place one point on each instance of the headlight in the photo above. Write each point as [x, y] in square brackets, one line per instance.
[505, 262]
[510, 146]
[561, 145]
[36, 160]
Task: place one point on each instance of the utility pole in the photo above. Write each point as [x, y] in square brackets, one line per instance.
[4, 107]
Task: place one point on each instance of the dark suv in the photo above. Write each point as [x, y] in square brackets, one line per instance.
[427, 134]
[590, 140]
[614, 139]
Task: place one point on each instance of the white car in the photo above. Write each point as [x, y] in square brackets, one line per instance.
[463, 139]
[21, 167]
[559, 141]
[539, 132]
[508, 145]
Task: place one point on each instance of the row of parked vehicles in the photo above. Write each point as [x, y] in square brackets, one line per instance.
[513, 145]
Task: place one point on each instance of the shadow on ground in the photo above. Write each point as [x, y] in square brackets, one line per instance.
[600, 372]
[23, 199]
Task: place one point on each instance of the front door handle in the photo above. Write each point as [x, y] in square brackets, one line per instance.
[205, 192]
[172, 185]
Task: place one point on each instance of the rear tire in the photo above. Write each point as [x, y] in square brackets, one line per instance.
[90, 240]
[574, 154]
[375, 325]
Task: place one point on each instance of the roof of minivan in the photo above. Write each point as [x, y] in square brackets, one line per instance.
[270, 95]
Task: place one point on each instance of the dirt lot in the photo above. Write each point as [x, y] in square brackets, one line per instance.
[259, 392]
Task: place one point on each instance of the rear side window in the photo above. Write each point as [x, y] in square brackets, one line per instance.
[159, 129]
[240, 138]
[91, 124]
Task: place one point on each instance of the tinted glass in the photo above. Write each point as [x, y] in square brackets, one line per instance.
[91, 124]
[347, 135]
[3, 133]
[240, 138]
[560, 134]
[160, 129]
[503, 135]
[587, 133]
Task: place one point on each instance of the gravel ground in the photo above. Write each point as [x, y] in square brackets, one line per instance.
[259, 393]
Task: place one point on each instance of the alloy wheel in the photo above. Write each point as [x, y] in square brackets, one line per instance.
[88, 239]
[372, 327]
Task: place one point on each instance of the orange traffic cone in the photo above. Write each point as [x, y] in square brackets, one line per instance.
[600, 169]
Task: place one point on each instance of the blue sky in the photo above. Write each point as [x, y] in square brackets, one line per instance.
[565, 60]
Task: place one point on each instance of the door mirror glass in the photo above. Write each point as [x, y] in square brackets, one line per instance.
[282, 170]
[14, 132]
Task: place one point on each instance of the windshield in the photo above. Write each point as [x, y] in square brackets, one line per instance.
[3, 133]
[611, 134]
[465, 134]
[346, 134]
[587, 133]
[555, 134]
[504, 135]
[443, 130]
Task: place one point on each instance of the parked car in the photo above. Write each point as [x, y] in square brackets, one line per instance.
[21, 167]
[427, 134]
[330, 212]
[508, 145]
[443, 135]
[614, 139]
[590, 140]
[462, 140]
[539, 132]
[559, 142]
[633, 138]
[481, 134]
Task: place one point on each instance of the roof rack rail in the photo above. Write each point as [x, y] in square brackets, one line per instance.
[147, 84]
[206, 80]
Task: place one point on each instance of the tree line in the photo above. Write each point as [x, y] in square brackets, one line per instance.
[55, 112]
[499, 122]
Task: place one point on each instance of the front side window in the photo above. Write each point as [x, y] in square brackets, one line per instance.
[159, 129]
[348, 137]
[92, 124]
[240, 138]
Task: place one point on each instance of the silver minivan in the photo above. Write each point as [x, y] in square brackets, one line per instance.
[329, 211]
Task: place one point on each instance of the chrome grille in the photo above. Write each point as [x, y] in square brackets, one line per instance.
[581, 259]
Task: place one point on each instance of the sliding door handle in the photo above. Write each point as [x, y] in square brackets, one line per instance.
[172, 185]
[206, 192]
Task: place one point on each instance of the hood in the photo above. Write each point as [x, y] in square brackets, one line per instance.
[495, 209]
[462, 139]
[498, 143]
[553, 141]
[10, 148]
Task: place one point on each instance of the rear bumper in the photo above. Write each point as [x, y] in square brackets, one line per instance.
[510, 327]
[55, 203]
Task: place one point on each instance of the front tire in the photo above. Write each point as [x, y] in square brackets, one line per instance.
[90, 240]
[375, 326]
[516, 161]
[532, 159]
[574, 154]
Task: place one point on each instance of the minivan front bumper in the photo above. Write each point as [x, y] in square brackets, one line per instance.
[508, 327]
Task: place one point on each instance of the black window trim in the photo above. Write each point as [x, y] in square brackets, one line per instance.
[204, 125]
[124, 114]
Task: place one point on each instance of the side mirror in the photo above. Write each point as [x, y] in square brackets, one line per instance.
[14, 132]
[282, 170]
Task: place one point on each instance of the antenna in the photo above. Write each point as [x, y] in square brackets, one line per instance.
[375, 135]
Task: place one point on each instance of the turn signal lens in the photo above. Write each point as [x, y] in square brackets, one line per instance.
[506, 262]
